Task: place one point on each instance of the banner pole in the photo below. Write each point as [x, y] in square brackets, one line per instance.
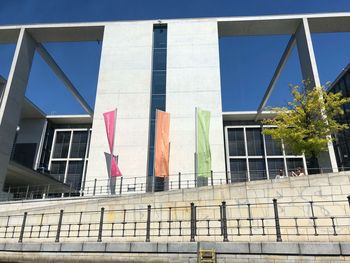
[154, 153]
[112, 150]
[196, 147]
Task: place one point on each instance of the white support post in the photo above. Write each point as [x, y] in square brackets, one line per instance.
[13, 96]
[327, 160]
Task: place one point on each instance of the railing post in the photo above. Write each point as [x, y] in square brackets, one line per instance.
[193, 223]
[22, 228]
[121, 186]
[59, 227]
[179, 180]
[224, 221]
[27, 191]
[211, 178]
[8, 193]
[94, 191]
[277, 221]
[100, 229]
[148, 225]
[70, 189]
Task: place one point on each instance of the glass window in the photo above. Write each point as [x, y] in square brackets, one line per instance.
[159, 59]
[236, 142]
[158, 103]
[160, 36]
[238, 168]
[254, 142]
[74, 174]
[257, 169]
[275, 165]
[294, 163]
[273, 147]
[158, 82]
[61, 145]
[58, 169]
[79, 142]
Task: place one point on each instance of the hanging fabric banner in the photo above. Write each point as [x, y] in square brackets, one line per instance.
[203, 146]
[162, 146]
[110, 122]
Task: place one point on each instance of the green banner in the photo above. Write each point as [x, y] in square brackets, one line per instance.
[203, 147]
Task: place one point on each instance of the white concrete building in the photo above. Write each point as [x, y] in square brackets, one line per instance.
[172, 65]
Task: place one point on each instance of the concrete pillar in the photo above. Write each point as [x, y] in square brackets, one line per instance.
[10, 108]
[327, 160]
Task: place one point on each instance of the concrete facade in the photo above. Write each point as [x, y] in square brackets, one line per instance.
[124, 83]
[193, 80]
[125, 77]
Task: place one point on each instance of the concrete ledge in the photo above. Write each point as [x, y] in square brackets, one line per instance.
[224, 248]
[50, 247]
[13, 247]
[345, 249]
[182, 247]
[143, 247]
[118, 247]
[319, 249]
[71, 247]
[31, 247]
[277, 248]
[255, 248]
[94, 247]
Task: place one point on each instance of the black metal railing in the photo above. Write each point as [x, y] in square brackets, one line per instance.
[220, 222]
[134, 185]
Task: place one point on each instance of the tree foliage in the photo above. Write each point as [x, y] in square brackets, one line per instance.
[306, 124]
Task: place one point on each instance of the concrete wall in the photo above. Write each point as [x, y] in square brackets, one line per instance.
[193, 80]
[124, 83]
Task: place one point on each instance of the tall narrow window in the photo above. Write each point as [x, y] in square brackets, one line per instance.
[158, 93]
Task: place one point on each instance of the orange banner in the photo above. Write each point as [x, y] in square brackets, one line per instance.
[162, 146]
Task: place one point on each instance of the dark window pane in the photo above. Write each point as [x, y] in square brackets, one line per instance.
[160, 36]
[24, 154]
[158, 82]
[238, 169]
[254, 142]
[61, 145]
[158, 103]
[58, 169]
[159, 59]
[79, 142]
[293, 164]
[275, 165]
[257, 169]
[273, 147]
[75, 171]
[236, 142]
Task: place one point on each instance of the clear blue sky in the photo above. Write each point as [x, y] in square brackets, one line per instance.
[247, 63]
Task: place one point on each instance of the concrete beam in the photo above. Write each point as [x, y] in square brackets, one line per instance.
[276, 75]
[13, 97]
[62, 76]
[327, 160]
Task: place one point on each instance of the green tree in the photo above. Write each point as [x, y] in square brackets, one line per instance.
[306, 124]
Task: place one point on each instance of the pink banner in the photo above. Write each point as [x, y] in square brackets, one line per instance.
[110, 118]
[110, 122]
[115, 169]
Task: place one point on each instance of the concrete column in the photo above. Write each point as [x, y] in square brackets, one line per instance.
[10, 108]
[327, 160]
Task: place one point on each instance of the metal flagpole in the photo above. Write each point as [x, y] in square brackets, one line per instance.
[112, 150]
[154, 153]
[196, 146]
